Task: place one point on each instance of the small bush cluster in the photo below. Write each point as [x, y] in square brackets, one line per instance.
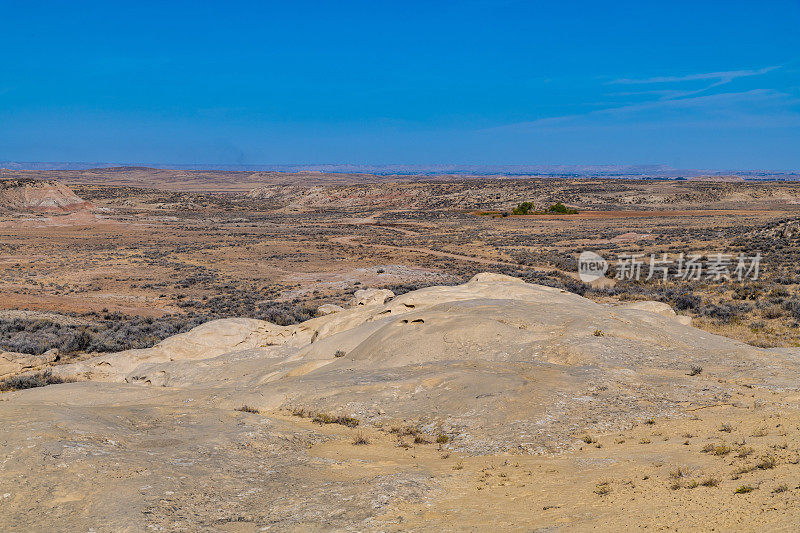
[527, 208]
[30, 381]
[561, 209]
[112, 333]
[323, 418]
[523, 209]
[717, 449]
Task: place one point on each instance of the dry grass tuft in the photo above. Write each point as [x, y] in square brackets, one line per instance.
[360, 440]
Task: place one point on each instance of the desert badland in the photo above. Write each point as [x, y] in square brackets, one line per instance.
[229, 351]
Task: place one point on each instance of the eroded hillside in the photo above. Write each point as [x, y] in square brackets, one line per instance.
[369, 415]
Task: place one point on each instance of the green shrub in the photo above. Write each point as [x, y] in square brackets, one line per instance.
[560, 209]
[523, 209]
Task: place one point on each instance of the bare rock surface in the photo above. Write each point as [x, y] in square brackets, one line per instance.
[12, 363]
[152, 438]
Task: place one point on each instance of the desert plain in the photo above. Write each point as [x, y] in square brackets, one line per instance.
[265, 351]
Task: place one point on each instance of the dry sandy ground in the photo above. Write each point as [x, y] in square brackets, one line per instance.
[551, 412]
[271, 471]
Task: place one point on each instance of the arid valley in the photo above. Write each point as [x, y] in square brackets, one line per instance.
[255, 351]
[401, 266]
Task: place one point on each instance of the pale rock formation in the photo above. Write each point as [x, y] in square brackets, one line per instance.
[327, 309]
[371, 297]
[154, 441]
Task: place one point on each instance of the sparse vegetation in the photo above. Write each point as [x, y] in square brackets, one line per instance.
[186, 268]
[767, 462]
[30, 381]
[106, 333]
[720, 449]
[323, 418]
[527, 208]
[695, 370]
[679, 472]
[743, 452]
[523, 209]
[603, 488]
[560, 209]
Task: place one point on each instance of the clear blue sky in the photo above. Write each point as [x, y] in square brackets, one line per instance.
[700, 84]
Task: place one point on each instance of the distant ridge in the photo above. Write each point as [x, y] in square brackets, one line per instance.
[619, 171]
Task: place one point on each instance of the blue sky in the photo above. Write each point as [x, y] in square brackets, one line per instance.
[687, 84]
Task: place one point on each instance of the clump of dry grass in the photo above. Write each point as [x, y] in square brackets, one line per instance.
[405, 431]
[695, 370]
[360, 440]
[302, 412]
[602, 488]
[679, 472]
[323, 418]
[248, 409]
[766, 462]
[31, 381]
[719, 450]
[744, 452]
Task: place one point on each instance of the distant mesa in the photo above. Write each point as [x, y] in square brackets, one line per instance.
[122, 169]
[30, 195]
[724, 179]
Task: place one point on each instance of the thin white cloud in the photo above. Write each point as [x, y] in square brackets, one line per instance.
[766, 106]
[724, 77]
